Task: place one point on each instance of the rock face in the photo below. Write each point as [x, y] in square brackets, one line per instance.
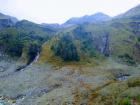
[104, 47]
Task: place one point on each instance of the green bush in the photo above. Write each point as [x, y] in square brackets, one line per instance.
[125, 101]
[66, 49]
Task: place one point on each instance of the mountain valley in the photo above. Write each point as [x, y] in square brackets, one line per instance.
[90, 60]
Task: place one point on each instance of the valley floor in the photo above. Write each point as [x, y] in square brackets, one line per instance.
[110, 83]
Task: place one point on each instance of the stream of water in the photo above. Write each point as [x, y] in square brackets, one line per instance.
[123, 77]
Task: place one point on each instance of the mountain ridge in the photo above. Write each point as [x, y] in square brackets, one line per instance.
[130, 13]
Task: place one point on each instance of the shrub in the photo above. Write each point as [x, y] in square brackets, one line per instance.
[66, 49]
[125, 101]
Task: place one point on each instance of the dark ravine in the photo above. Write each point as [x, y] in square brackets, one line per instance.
[28, 64]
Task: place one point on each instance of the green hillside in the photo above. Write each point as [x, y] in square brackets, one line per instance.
[24, 38]
[117, 38]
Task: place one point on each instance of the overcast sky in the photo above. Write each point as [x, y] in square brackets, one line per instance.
[58, 11]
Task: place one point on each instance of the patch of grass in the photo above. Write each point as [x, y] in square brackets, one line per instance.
[125, 101]
[133, 82]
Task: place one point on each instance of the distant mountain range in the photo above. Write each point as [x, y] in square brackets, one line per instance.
[95, 18]
[98, 17]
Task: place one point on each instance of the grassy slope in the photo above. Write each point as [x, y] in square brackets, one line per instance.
[17, 40]
[47, 55]
[121, 40]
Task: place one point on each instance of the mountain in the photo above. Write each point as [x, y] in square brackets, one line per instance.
[98, 17]
[30, 26]
[87, 38]
[22, 39]
[13, 19]
[117, 38]
[55, 25]
[95, 18]
[6, 21]
[134, 12]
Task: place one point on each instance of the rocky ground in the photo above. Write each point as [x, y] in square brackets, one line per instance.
[110, 83]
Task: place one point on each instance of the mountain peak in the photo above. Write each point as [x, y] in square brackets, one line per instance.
[97, 17]
[100, 13]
